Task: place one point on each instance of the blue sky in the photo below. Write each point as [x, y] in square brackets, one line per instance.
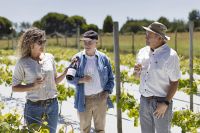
[94, 11]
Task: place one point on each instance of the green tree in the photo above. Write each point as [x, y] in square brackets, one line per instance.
[60, 23]
[54, 22]
[134, 25]
[90, 27]
[78, 21]
[108, 24]
[70, 25]
[194, 16]
[37, 24]
[164, 21]
[5, 26]
[24, 25]
[178, 25]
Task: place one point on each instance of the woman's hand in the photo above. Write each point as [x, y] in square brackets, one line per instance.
[38, 83]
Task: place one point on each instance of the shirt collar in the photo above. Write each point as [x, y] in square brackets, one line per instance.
[96, 53]
[157, 50]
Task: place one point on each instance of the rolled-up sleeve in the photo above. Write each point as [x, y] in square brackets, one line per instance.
[18, 74]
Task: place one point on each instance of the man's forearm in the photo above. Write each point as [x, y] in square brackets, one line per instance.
[172, 90]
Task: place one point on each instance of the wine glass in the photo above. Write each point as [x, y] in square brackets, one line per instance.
[139, 61]
[90, 72]
[43, 71]
[43, 75]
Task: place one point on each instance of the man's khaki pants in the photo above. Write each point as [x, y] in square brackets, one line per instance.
[95, 108]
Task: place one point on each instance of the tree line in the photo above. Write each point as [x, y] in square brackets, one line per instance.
[64, 24]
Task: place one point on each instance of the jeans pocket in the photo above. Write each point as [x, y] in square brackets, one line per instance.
[105, 95]
[32, 113]
[53, 108]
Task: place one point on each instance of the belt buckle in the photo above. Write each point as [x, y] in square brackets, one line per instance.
[42, 102]
[34, 103]
[149, 98]
[48, 101]
[100, 94]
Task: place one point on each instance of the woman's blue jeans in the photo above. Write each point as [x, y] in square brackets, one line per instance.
[33, 114]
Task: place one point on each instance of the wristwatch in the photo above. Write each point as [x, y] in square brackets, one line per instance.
[166, 102]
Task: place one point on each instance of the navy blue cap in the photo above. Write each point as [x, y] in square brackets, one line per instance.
[90, 35]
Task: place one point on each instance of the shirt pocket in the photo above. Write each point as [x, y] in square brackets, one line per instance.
[158, 64]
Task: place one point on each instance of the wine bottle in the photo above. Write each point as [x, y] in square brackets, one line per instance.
[71, 72]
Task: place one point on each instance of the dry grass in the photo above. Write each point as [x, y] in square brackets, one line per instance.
[125, 42]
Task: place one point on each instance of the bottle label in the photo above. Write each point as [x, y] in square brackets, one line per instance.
[71, 71]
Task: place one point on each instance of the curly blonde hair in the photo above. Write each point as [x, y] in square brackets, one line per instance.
[29, 37]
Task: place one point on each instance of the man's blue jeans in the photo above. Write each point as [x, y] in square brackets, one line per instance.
[33, 114]
[149, 123]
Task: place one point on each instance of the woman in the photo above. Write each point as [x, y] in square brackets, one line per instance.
[35, 73]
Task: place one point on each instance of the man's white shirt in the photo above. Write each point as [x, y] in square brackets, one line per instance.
[94, 86]
[159, 67]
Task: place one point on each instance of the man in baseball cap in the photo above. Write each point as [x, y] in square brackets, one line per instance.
[94, 82]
